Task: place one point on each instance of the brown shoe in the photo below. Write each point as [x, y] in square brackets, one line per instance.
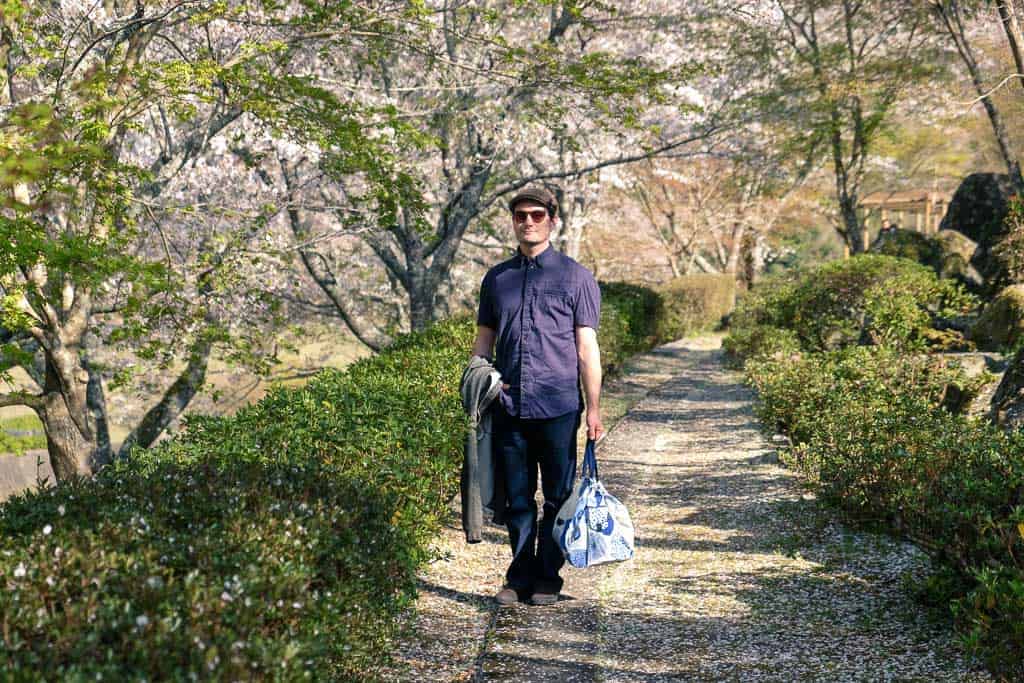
[544, 598]
[507, 596]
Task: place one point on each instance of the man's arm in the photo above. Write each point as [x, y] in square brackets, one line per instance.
[590, 374]
[484, 344]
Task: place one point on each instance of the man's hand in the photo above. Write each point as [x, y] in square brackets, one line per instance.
[595, 429]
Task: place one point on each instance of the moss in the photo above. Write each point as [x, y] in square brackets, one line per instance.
[1001, 323]
[909, 244]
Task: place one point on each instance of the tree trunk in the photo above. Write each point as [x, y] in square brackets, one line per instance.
[1011, 27]
[97, 403]
[953, 22]
[735, 248]
[74, 447]
[574, 222]
[851, 224]
[173, 402]
[422, 293]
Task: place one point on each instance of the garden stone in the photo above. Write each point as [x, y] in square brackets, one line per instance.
[977, 210]
[1008, 401]
[955, 251]
[1001, 322]
[979, 206]
[973, 365]
[948, 252]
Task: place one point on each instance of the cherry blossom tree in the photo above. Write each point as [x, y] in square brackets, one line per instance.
[832, 72]
[114, 114]
[502, 94]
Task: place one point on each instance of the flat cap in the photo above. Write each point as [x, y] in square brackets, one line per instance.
[536, 193]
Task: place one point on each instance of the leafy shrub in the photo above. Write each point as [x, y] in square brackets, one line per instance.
[1008, 251]
[867, 299]
[909, 244]
[761, 340]
[278, 543]
[871, 437]
[318, 502]
[202, 571]
[695, 302]
[629, 321]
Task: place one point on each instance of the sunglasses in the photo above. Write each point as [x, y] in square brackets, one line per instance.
[537, 215]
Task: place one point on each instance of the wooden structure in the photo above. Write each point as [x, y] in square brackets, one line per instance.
[920, 210]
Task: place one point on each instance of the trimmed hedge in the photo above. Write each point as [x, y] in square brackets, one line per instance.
[200, 571]
[317, 504]
[278, 543]
[694, 303]
[629, 322]
[873, 433]
[867, 299]
[871, 437]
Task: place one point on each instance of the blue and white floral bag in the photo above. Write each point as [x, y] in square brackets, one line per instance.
[592, 526]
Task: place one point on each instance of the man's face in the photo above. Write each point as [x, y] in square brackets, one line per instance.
[531, 223]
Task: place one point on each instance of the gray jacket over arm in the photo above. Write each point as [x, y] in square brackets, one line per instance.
[483, 488]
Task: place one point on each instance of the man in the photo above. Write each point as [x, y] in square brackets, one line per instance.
[541, 309]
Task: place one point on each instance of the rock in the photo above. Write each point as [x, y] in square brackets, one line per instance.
[956, 399]
[979, 206]
[948, 252]
[948, 340]
[1001, 322]
[1008, 401]
[978, 210]
[955, 253]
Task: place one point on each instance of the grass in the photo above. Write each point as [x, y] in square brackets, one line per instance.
[228, 387]
[21, 433]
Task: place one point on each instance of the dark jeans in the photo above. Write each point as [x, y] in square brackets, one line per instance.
[522, 445]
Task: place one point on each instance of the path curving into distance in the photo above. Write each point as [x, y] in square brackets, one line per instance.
[739, 575]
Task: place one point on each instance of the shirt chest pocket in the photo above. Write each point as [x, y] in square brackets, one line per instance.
[554, 305]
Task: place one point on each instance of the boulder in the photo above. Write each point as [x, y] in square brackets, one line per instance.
[978, 211]
[955, 251]
[1008, 401]
[948, 339]
[979, 206]
[1001, 322]
[948, 252]
[973, 400]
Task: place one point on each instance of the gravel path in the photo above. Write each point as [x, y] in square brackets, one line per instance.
[739, 576]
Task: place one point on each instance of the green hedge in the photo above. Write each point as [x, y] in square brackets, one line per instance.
[872, 438]
[629, 321]
[867, 299]
[873, 434]
[200, 571]
[278, 543]
[695, 303]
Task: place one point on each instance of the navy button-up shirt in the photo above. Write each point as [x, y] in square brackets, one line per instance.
[534, 306]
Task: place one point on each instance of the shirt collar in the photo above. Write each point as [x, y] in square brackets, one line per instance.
[542, 259]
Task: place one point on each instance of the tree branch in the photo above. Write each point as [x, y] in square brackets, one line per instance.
[576, 172]
[21, 398]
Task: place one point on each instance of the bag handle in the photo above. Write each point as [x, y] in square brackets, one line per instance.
[589, 461]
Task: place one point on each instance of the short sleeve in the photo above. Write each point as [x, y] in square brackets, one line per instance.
[587, 311]
[485, 313]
